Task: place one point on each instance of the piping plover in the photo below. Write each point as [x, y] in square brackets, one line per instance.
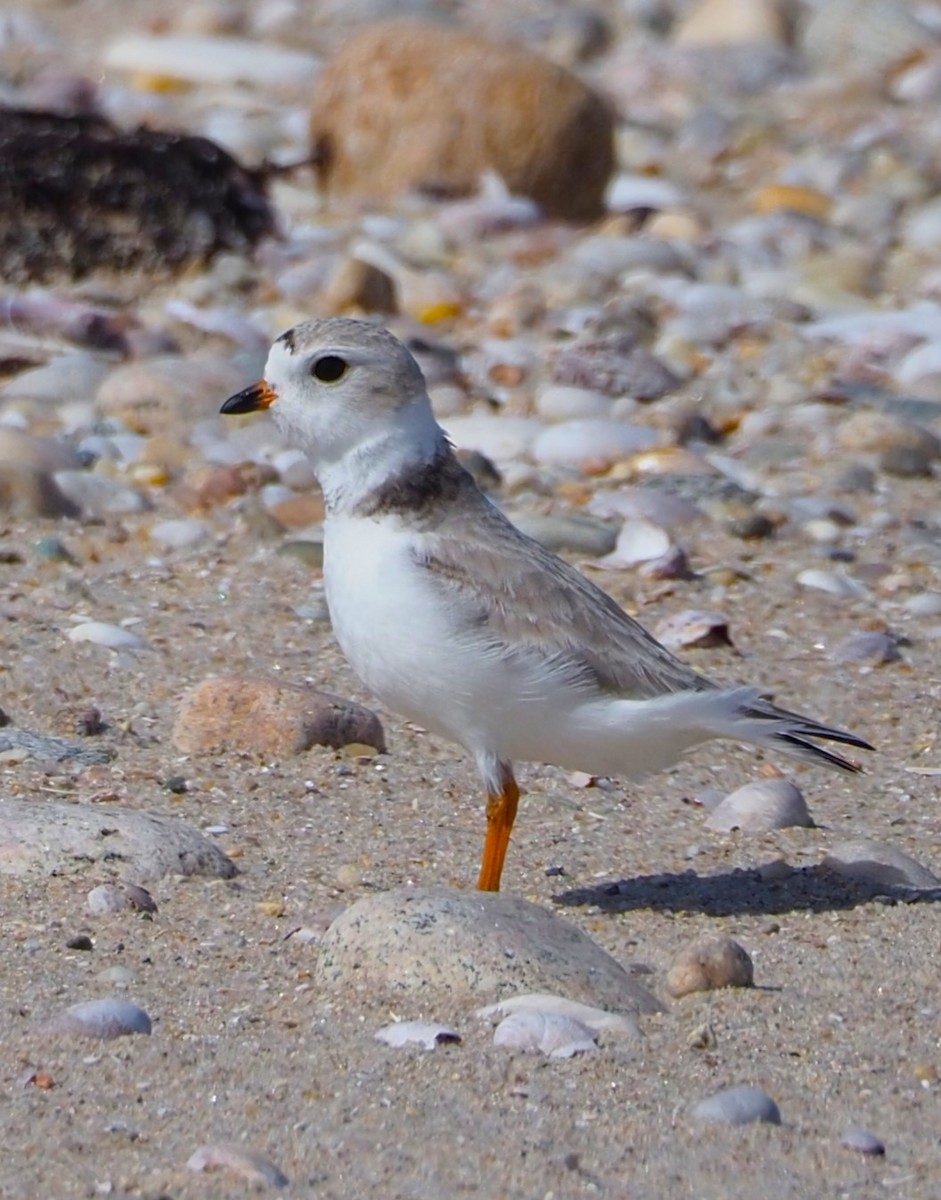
[458, 621]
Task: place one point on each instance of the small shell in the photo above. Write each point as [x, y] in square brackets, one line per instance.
[738, 1106]
[709, 963]
[694, 628]
[836, 583]
[104, 1019]
[427, 1034]
[100, 633]
[597, 1019]
[761, 806]
[544, 1032]
[254, 1168]
[638, 541]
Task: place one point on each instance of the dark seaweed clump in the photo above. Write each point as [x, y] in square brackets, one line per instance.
[77, 194]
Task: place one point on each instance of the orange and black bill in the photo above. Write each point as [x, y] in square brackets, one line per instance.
[259, 396]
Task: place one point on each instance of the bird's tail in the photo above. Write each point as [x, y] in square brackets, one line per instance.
[757, 719]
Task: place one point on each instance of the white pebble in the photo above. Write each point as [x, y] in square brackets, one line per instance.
[738, 1106]
[560, 403]
[104, 1019]
[100, 633]
[427, 1034]
[572, 442]
[924, 604]
[499, 438]
[548, 1033]
[761, 806]
[183, 531]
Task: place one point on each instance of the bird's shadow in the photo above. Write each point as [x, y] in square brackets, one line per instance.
[741, 893]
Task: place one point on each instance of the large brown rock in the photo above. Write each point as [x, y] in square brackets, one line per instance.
[265, 716]
[406, 106]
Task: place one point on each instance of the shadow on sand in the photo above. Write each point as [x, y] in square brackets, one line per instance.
[741, 892]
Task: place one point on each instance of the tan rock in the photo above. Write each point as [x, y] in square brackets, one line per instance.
[406, 106]
[708, 963]
[727, 22]
[297, 512]
[268, 717]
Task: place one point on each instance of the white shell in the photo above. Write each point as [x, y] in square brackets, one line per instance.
[417, 1033]
[638, 542]
[545, 1032]
[100, 633]
[598, 1019]
[254, 1168]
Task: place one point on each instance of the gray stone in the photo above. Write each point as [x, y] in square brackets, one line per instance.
[470, 944]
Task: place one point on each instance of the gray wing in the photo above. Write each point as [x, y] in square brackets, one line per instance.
[521, 598]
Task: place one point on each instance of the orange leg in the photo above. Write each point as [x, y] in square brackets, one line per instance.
[501, 813]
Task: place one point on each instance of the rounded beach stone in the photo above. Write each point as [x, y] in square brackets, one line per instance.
[738, 1106]
[269, 717]
[406, 106]
[470, 944]
[708, 963]
[761, 806]
[105, 1019]
[43, 839]
[872, 862]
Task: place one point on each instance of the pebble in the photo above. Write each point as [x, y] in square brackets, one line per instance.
[247, 1165]
[268, 717]
[179, 533]
[571, 443]
[43, 838]
[436, 941]
[68, 377]
[559, 403]
[710, 962]
[638, 542]
[837, 583]
[427, 1034]
[114, 637]
[575, 535]
[598, 1020]
[105, 1019]
[114, 897]
[924, 604]
[406, 104]
[499, 438]
[761, 806]
[868, 647]
[867, 861]
[552, 1034]
[96, 495]
[862, 1141]
[738, 1106]
[43, 748]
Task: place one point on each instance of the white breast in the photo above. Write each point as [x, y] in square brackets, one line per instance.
[391, 625]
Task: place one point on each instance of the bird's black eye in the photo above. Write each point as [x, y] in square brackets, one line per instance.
[329, 369]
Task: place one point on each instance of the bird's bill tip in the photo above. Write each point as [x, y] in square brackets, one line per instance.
[259, 396]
